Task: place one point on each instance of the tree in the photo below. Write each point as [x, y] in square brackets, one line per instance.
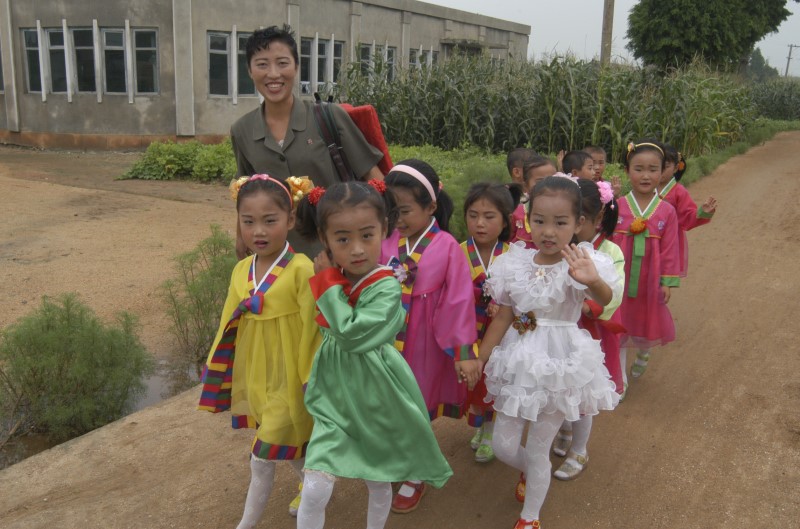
[669, 33]
[758, 69]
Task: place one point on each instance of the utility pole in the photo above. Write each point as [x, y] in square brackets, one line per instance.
[608, 25]
[789, 58]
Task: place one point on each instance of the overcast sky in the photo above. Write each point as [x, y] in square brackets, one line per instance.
[575, 25]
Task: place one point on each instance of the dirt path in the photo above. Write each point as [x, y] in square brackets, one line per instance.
[708, 438]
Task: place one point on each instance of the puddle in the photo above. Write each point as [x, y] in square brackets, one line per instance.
[19, 448]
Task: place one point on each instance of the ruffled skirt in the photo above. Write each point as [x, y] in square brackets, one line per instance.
[555, 368]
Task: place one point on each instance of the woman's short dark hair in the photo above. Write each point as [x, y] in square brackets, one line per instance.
[262, 38]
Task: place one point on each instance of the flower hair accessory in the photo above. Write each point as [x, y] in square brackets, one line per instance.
[378, 185]
[315, 195]
[606, 192]
[237, 184]
[299, 186]
[681, 167]
[633, 146]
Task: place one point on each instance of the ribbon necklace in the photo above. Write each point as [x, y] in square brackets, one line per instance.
[409, 258]
[479, 282]
[218, 373]
[639, 240]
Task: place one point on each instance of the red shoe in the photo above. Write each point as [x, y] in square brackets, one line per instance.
[519, 492]
[526, 524]
[404, 504]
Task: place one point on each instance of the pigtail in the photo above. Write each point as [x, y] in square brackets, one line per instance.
[517, 192]
[444, 210]
[680, 167]
[610, 217]
[306, 214]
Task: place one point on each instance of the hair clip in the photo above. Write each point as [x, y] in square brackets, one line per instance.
[633, 146]
[299, 186]
[315, 195]
[377, 185]
[606, 192]
[573, 179]
[235, 185]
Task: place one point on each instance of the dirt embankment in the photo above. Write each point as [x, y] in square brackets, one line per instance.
[708, 438]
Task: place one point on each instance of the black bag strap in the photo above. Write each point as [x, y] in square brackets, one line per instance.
[329, 132]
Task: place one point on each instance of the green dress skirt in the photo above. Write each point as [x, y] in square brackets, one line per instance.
[370, 420]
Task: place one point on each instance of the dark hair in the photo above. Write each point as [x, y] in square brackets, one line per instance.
[594, 149]
[534, 163]
[262, 38]
[574, 160]
[504, 197]
[519, 157]
[278, 190]
[591, 205]
[671, 154]
[646, 145]
[559, 184]
[444, 204]
[312, 220]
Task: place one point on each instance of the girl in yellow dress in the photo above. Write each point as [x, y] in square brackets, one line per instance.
[263, 352]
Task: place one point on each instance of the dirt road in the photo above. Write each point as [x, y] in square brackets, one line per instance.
[708, 438]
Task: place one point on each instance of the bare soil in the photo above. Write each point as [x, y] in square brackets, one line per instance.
[709, 437]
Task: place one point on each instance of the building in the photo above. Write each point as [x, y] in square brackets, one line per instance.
[111, 74]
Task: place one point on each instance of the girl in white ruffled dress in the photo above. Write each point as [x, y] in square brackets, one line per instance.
[540, 367]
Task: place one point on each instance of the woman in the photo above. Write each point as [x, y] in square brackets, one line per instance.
[280, 137]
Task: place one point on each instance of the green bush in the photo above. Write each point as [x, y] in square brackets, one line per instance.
[777, 98]
[64, 373]
[194, 303]
[215, 163]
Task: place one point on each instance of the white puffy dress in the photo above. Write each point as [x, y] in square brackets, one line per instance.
[556, 367]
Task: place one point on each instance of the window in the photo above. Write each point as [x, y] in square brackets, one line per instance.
[365, 54]
[412, 57]
[114, 61]
[338, 54]
[218, 64]
[146, 57]
[30, 38]
[391, 54]
[246, 86]
[305, 65]
[322, 62]
[83, 41]
[58, 62]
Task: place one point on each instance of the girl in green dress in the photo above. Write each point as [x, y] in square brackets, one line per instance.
[370, 420]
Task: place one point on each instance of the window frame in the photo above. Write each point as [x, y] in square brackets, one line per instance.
[113, 48]
[27, 49]
[156, 66]
[226, 54]
[241, 52]
[75, 49]
[50, 49]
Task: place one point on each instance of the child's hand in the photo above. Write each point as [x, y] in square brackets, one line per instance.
[581, 266]
[492, 309]
[616, 185]
[322, 262]
[469, 370]
[666, 292]
[710, 205]
[560, 159]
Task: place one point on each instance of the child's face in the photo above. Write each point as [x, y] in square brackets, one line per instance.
[599, 161]
[586, 170]
[553, 224]
[264, 224]
[537, 174]
[484, 222]
[353, 236]
[644, 172]
[668, 172]
[412, 217]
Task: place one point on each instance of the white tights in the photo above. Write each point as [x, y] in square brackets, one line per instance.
[533, 459]
[317, 490]
[262, 477]
[581, 430]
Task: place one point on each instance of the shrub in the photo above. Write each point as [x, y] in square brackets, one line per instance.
[194, 302]
[166, 160]
[215, 163]
[64, 373]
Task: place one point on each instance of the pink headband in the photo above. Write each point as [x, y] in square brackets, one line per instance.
[268, 177]
[418, 176]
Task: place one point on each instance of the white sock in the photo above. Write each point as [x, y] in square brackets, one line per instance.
[407, 491]
[581, 430]
[540, 437]
[623, 361]
[262, 476]
[380, 502]
[507, 441]
[317, 490]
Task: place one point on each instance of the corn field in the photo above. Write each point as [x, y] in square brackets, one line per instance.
[560, 104]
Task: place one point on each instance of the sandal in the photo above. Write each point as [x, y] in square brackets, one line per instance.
[485, 453]
[624, 392]
[640, 364]
[562, 443]
[572, 467]
[527, 524]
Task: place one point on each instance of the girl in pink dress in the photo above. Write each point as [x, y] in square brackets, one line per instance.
[487, 211]
[439, 333]
[689, 215]
[647, 232]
